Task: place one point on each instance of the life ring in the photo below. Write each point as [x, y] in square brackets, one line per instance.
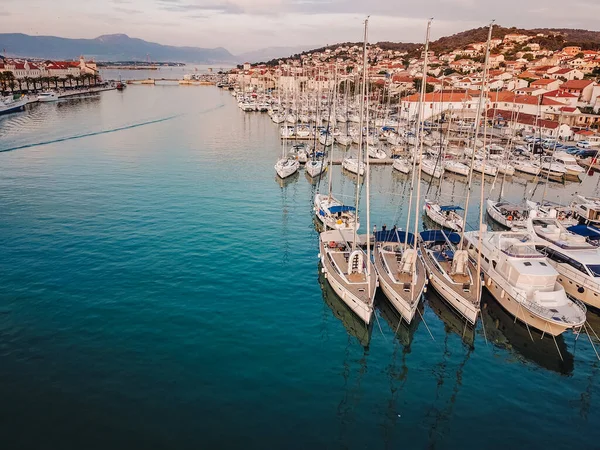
[509, 218]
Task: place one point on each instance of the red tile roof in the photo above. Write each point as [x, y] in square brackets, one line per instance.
[576, 84]
[440, 97]
[542, 82]
[522, 118]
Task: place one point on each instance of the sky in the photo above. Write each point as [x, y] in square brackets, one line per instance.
[245, 25]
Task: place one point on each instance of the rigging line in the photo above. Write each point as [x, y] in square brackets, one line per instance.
[379, 325]
[426, 326]
[590, 339]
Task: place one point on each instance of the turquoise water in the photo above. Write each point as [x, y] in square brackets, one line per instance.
[160, 289]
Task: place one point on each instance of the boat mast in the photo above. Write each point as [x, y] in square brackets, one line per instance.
[419, 144]
[330, 180]
[475, 134]
[367, 174]
[484, 84]
[360, 143]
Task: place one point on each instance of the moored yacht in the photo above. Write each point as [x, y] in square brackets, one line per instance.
[333, 214]
[573, 256]
[351, 275]
[286, 167]
[523, 281]
[315, 167]
[444, 216]
[49, 96]
[507, 214]
[587, 208]
[400, 270]
[456, 167]
[432, 168]
[451, 273]
[526, 166]
[574, 170]
[354, 165]
[401, 165]
[9, 104]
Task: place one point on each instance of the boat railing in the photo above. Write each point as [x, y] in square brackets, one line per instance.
[576, 276]
[529, 304]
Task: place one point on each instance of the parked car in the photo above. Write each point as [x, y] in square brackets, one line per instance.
[584, 144]
[587, 153]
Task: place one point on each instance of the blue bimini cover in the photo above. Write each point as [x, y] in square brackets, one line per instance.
[394, 235]
[341, 208]
[440, 236]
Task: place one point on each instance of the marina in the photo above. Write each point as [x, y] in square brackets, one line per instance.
[177, 233]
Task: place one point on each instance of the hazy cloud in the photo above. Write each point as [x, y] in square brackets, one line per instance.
[127, 10]
[243, 25]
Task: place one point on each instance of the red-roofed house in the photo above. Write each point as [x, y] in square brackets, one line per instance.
[566, 73]
[436, 103]
[529, 123]
[562, 97]
[582, 88]
[546, 83]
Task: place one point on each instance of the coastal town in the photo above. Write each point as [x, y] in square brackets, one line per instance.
[556, 93]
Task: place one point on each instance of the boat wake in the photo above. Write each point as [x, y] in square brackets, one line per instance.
[111, 130]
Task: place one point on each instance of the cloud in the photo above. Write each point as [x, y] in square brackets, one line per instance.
[121, 2]
[127, 10]
[4, 14]
[224, 7]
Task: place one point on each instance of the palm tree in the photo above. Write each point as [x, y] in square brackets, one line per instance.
[27, 81]
[63, 81]
[35, 83]
[55, 80]
[78, 78]
[20, 83]
[96, 78]
[2, 82]
[9, 80]
[70, 79]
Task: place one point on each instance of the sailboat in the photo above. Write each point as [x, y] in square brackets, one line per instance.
[286, 166]
[451, 273]
[347, 268]
[445, 216]
[400, 269]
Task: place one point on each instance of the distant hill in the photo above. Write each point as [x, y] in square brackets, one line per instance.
[112, 47]
[556, 38]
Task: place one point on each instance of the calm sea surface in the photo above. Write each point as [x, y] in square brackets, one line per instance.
[160, 289]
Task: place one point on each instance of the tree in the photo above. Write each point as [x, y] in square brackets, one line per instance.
[449, 71]
[70, 79]
[579, 55]
[417, 83]
[528, 56]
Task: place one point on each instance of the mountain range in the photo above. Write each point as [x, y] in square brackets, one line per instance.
[120, 47]
[111, 47]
